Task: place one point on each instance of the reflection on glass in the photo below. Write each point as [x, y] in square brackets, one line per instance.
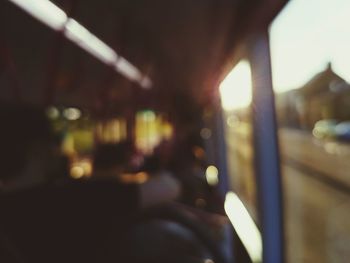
[311, 73]
[111, 131]
[72, 114]
[205, 133]
[81, 167]
[212, 175]
[150, 130]
[53, 113]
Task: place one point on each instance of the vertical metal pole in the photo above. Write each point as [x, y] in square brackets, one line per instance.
[224, 181]
[266, 150]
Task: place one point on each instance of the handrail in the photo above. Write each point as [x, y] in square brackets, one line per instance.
[266, 154]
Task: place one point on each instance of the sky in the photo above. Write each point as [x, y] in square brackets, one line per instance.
[304, 37]
[307, 35]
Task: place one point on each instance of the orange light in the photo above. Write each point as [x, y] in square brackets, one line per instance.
[131, 178]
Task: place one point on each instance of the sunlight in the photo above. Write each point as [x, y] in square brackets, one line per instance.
[236, 88]
[244, 226]
[301, 47]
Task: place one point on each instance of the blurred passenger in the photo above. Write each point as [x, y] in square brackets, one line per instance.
[188, 163]
[112, 161]
[27, 147]
[73, 221]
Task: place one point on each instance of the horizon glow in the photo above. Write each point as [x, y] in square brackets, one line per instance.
[305, 37]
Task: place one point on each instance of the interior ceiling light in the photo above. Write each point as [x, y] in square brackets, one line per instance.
[87, 41]
[124, 67]
[55, 18]
[44, 11]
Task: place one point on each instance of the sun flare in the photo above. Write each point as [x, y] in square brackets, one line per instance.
[236, 88]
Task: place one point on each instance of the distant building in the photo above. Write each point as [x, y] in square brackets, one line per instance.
[287, 108]
[325, 96]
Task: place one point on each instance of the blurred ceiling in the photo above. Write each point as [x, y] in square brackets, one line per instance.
[184, 46]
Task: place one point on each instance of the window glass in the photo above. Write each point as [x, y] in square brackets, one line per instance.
[310, 43]
[235, 91]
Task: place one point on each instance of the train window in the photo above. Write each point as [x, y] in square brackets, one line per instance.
[153, 125]
[235, 91]
[241, 204]
[311, 75]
